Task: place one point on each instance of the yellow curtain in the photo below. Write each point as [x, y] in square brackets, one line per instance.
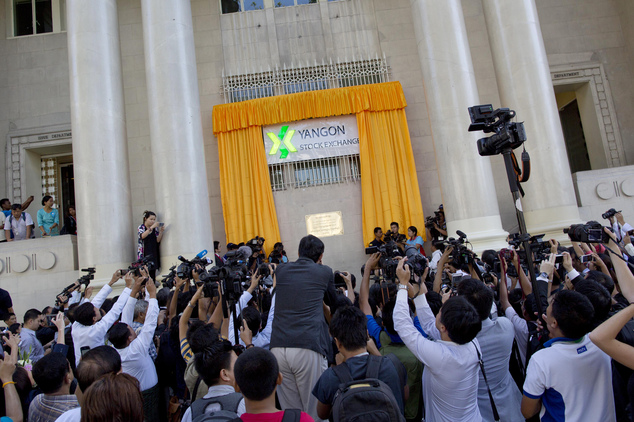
[388, 174]
[247, 198]
[308, 105]
[389, 184]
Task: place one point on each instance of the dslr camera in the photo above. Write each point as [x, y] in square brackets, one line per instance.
[591, 232]
[136, 266]
[609, 213]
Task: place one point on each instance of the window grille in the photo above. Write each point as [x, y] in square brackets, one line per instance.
[304, 78]
[319, 172]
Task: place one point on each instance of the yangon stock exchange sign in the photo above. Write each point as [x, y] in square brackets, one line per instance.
[311, 139]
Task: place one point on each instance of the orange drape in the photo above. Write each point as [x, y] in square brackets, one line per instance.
[247, 198]
[389, 182]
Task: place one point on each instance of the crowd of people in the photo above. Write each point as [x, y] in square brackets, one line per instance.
[452, 338]
[19, 225]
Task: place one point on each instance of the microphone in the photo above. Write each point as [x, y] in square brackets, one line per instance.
[460, 234]
[202, 253]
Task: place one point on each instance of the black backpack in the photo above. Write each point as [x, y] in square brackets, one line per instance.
[365, 400]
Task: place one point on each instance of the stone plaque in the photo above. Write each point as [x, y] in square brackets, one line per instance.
[325, 224]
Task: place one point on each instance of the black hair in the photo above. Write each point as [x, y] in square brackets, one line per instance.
[16, 207]
[45, 199]
[256, 372]
[213, 359]
[85, 313]
[49, 372]
[388, 312]
[434, 299]
[31, 314]
[97, 362]
[461, 320]
[488, 257]
[118, 335]
[3, 201]
[573, 312]
[108, 304]
[47, 310]
[70, 313]
[8, 315]
[253, 318]
[147, 214]
[604, 280]
[478, 294]
[515, 298]
[381, 293]
[530, 306]
[439, 244]
[394, 223]
[311, 247]
[599, 298]
[162, 295]
[14, 328]
[376, 229]
[349, 326]
[216, 244]
[413, 229]
[201, 336]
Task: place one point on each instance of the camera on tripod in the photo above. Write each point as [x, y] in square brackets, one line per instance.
[507, 134]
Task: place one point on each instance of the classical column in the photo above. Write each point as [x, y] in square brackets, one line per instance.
[100, 150]
[524, 83]
[178, 152]
[466, 179]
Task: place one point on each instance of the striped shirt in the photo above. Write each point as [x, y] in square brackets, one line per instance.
[45, 408]
[186, 350]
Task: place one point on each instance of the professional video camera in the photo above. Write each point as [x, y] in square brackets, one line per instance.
[507, 134]
[591, 232]
[136, 266]
[417, 262]
[609, 213]
[234, 276]
[84, 279]
[168, 280]
[461, 254]
[185, 270]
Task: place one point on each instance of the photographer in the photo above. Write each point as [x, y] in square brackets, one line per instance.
[150, 234]
[300, 339]
[133, 349]
[243, 304]
[436, 225]
[450, 377]
[89, 329]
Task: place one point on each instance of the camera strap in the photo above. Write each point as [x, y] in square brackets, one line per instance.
[496, 416]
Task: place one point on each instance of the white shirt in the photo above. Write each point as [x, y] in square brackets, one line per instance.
[521, 332]
[3, 235]
[621, 231]
[435, 257]
[263, 339]
[18, 225]
[95, 335]
[72, 415]
[573, 379]
[135, 359]
[450, 377]
[216, 391]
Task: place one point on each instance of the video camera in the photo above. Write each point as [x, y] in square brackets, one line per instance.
[507, 134]
[388, 261]
[84, 279]
[168, 280]
[461, 254]
[591, 232]
[136, 266]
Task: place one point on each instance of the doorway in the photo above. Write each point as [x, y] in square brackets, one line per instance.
[576, 147]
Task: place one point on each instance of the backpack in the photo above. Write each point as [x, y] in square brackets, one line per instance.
[290, 415]
[366, 400]
[228, 403]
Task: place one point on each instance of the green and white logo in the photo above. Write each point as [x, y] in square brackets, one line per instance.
[286, 136]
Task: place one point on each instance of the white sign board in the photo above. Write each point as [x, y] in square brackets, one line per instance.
[325, 224]
[311, 139]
